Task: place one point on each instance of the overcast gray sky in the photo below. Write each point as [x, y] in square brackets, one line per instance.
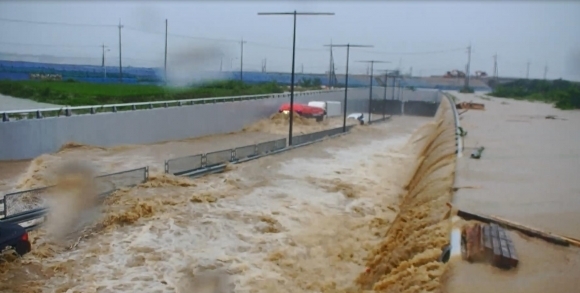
[431, 37]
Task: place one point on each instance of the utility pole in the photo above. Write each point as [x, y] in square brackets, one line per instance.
[105, 49]
[545, 71]
[302, 68]
[348, 46]
[371, 63]
[467, 67]
[330, 66]
[120, 49]
[385, 93]
[242, 42]
[528, 70]
[395, 76]
[264, 61]
[294, 14]
[495, 68]
[165, 60]
[221, 63]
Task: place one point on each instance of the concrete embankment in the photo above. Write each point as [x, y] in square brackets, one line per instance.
[407, 260]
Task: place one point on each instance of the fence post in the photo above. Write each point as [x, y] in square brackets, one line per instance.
[5, 117]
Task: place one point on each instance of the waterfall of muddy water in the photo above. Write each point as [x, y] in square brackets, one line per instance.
[300, 221]
[73, 202]
[278, 124]
[406, 261]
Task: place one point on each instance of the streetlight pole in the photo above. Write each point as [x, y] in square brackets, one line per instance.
[372, 63]
[348, 46]
[294, 13]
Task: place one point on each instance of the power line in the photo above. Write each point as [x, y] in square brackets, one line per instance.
[48, 45]
[347, 46]
[294, 15]
[415, 53]
[55, 23]
[372, 63]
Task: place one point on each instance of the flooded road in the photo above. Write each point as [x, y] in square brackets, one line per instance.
[107, 160]
[528, 173]
[300, 221]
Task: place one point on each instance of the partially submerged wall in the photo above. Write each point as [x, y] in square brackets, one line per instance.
[407, 260]
[29, 138]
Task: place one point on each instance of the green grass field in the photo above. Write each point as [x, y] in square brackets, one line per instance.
[81, 94]
[562, 93]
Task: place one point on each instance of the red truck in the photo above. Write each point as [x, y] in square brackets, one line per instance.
[304, 111]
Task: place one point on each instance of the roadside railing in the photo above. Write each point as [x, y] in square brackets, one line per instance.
[26, 207]
[113, 108]
[201, 164]
[192, 164]
[458, 138]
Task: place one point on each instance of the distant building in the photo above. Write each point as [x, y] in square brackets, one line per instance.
[454, 74]
[479, 73]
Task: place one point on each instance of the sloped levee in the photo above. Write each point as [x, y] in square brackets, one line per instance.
[407, 260]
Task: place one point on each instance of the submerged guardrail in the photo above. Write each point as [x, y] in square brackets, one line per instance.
[191, 166]
[107, 184]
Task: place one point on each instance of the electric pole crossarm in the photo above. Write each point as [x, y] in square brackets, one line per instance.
[294, 14]
[372, 63]
[347, 46]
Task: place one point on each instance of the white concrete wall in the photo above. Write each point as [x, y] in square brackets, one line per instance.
[29, 138]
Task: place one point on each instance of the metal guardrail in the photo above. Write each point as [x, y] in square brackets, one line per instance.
[309, 137]
[189, 164]
[106, 183]
[458, 138]
[87, 110]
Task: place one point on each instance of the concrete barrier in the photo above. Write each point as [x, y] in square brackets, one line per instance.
[29, 138]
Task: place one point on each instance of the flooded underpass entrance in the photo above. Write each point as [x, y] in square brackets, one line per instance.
[301, 221]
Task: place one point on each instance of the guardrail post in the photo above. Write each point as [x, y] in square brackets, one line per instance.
[232, 155]
[5, 117]
[150, 106]
[115, 109]
[166, 166]
[38, 114]
[180, 104]
[134, 107]
[146, 174]
[67, 112]
[165, 105]
[203, 161]
[93, 111]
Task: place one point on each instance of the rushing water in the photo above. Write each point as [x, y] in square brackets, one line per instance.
[300, 221]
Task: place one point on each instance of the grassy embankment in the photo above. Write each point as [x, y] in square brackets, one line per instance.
[83, 94]
[562, 93]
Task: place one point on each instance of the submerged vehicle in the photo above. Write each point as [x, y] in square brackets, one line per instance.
[15, 237]
[304, 111]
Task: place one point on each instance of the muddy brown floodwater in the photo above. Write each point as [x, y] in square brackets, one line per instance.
[301, 221]
[528, 173]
